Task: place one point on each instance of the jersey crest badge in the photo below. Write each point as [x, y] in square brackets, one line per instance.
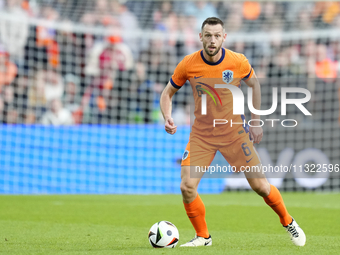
[227, 76]
[185, 154]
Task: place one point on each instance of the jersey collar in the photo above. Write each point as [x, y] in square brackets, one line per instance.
[213, 63]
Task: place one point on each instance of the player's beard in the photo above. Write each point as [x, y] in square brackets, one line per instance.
[206, 48]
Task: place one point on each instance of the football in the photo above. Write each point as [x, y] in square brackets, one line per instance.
[163, 234]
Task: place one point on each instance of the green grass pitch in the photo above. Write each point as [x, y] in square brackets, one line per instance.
[240, 223]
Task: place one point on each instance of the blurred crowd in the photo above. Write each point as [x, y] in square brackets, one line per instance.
[65, 62]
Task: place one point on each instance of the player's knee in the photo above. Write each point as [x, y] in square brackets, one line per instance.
[187, 187]
[262, 189]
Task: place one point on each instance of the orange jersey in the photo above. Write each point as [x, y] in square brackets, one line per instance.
[203, 75]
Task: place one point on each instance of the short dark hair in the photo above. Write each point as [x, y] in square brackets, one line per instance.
[212, 21]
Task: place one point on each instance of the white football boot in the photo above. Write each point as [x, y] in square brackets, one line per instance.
[296, 233]
[198, 241]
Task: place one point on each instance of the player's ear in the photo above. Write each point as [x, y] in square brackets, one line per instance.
[200, 34]
[224, 36]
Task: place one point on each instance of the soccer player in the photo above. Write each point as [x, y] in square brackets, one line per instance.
[205, 68]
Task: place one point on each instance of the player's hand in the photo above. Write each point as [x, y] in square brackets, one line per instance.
[256, 134]
[170, 126]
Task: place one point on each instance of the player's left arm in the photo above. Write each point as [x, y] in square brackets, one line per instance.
[256, 133]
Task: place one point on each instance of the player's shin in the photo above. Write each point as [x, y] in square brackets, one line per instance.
[275, 201]
[196, 213]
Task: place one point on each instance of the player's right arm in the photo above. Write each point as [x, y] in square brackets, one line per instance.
[166, 108]
[176, 82]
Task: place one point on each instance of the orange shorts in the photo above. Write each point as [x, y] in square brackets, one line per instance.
[239, 152]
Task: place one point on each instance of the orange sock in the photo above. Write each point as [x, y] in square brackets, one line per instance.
[196, 213]
[275, 201]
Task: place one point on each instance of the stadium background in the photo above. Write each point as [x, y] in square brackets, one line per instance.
[101, 65]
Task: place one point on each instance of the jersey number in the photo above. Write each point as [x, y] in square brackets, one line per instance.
[246, 149]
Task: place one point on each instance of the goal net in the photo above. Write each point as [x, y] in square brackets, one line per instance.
[81, 81]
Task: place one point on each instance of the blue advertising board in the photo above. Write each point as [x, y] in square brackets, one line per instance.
[94, 159]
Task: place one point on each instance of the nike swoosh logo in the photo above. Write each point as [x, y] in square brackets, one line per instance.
[196, 77]
[206, 243]
[249, 160]
[193, 216]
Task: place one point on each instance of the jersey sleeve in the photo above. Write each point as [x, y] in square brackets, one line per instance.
[246, 69]
[179, 76]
